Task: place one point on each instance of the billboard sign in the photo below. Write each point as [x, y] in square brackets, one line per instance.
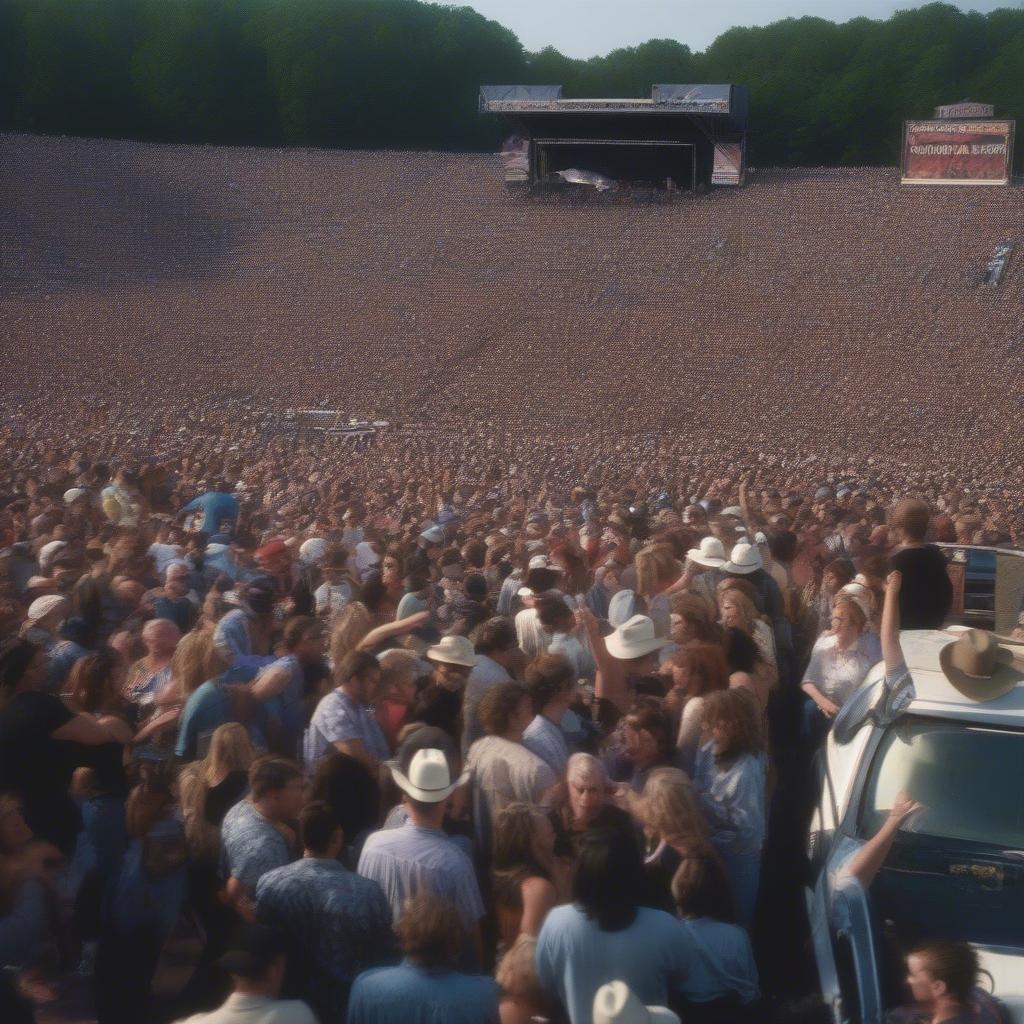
[728, 166]
[957, 152]
[965, 109]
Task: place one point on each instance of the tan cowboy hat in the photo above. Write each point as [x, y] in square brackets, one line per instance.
[453, 650]
[979, 667]
[614, 1003]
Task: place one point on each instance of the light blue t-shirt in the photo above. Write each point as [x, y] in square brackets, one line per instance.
[724, 963]
[575, 958]
[217, 507]
[416, 995]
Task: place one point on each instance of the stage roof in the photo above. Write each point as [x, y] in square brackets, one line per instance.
[713, 100]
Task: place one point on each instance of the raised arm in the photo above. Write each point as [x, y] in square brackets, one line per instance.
[892, 652]
[392, 629]
[865, 864]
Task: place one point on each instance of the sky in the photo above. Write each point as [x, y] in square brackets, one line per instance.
[587, 28]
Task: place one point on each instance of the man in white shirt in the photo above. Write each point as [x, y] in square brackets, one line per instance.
[256, 963]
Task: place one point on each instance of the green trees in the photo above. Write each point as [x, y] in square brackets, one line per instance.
[405, 74]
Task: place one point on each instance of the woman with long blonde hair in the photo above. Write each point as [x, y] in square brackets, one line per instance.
[657, 569]
[350, 627]
[207, 790]
[674, 830]
[212, 786]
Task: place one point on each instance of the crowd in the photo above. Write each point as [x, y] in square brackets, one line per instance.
[440, 736]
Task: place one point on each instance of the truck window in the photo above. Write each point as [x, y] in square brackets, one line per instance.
[966, 777]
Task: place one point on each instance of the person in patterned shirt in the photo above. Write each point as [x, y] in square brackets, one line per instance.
[255, 836]
[337, 923]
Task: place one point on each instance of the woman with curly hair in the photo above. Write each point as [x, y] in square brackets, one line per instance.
[730, 777]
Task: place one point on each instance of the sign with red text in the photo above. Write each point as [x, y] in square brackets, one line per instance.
[957, 152]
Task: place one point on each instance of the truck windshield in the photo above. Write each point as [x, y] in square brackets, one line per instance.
[967, 778]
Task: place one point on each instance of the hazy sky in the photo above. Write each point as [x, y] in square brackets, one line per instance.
[585, 28]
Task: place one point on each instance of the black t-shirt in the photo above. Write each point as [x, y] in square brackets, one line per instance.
[222, 797]
[37, 768]
[927, 593]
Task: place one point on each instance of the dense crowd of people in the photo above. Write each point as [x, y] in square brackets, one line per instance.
[439, 735]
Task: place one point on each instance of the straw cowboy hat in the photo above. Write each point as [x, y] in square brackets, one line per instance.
[710, 554]
[453, 650]
[980, 667]
[633, 639]
[614, 1003]
[427, 778]
[744, 558]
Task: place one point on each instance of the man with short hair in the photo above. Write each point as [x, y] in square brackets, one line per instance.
[343, 721]
[256, 963]
[256, 833]
[427, 987]
[337, 924]
[497, 651]
[419, 855]
[246, 631]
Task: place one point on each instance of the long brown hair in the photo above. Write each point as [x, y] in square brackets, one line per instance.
[738, 710]
[706, 665]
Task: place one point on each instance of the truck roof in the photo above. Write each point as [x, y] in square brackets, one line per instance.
[937, 697]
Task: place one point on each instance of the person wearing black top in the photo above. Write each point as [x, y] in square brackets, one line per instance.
[927, 592]
[41, 743]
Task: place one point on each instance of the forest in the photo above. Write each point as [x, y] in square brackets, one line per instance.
[400, 74]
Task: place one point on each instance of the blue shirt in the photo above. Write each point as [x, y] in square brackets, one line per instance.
[337, 924]
[417, 995]
[575, 958]
[25, 925]
[250, 846]
[724, 962]
[407, 859]
[288, 708]
[545, 739]
[206, 708]
[217, 508]
[144, 899]
[338, 719]
[732, 798]
[231, 635]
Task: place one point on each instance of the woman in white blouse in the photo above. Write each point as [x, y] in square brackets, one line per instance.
[839, 664]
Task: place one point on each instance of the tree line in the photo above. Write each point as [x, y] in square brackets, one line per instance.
[404, 74]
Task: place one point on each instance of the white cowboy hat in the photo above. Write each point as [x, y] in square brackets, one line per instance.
[744, 558]
[429, 779]
[710, 553]
[312, 550]
[614, 1003]
[543, 562]
[43, 606]
[734, 511]
[453, 650]
[633, 639]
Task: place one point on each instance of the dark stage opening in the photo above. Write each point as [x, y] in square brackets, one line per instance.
[641, 162]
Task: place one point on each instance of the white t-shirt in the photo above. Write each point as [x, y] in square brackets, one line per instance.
[246, 1009]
